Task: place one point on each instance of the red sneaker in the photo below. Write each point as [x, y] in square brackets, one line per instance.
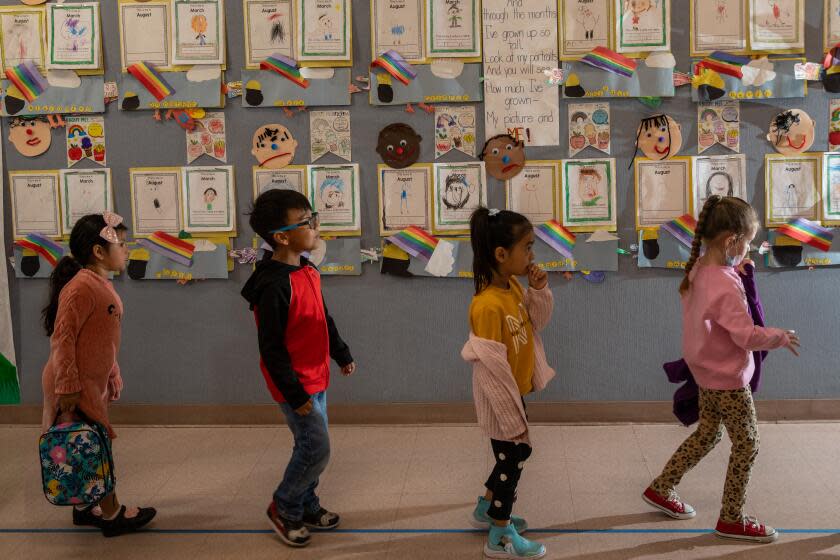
[672, 506]
[747, 530]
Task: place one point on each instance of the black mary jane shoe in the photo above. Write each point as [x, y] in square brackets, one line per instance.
[121, 524]
[86, 517]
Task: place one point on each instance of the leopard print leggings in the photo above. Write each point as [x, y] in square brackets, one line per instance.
[736, 411]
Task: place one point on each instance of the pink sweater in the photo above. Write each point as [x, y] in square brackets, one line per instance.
[83, 349]
[719, 335]
[498, 404]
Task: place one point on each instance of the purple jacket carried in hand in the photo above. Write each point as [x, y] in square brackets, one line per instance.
[686, 398]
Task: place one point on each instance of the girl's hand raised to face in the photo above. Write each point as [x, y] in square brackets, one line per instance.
[537, 277]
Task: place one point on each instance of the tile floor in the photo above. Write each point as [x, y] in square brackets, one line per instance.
[398, 487]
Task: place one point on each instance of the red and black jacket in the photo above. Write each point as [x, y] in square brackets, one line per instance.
[297, 336]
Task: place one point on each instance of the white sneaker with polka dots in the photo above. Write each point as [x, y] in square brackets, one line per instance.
[480, 520]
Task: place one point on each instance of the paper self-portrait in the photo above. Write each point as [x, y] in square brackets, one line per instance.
[324, 30]
[198, 32]
[330, 133]
[659, 137]
[144, 33]
[292, 178]
[35, 203]
[273, 146]
[22, 32]
[404, 197]
[663, 191]
[791, 132]
[453, 29]
[155, 200]
[399, 26]
[74, 36]
[208, 199]
[719, 25]
[718, 175]
[269, 29]
[83, 192]
[643, 25]
[30, 136]
[777, 25]
[585, 24]
[458, 190]
[589, 198]
[533, 192]
[791, 185]
[335, 193]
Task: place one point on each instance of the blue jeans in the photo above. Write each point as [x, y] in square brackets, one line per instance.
[296, 494]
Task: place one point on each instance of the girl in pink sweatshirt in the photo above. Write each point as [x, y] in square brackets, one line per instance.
[508, 362]
[719, 337]
[83, 319]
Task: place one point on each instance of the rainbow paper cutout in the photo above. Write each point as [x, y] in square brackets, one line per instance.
[416, 242]
[76, 130]
[169, 246]
[682, 228]
[28, 80]
[286, 67]
[723, 63]
[394, 64]
[47, 248]
[557, 237]
[151, 79]
[605, 59]
[808, 232]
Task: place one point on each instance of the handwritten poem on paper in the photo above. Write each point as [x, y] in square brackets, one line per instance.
[520, 43]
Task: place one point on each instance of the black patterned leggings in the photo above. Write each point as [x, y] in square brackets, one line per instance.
[510, 459]
[734, 410]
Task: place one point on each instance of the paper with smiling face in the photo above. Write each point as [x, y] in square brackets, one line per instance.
[791, 132]
[31, 136]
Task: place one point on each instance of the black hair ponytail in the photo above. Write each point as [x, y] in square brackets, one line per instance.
[83, 238]
[490, 229]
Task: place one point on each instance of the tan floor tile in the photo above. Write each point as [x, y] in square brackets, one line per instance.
[600, 443]
[359, 476]
[445, 477]
[435, 511]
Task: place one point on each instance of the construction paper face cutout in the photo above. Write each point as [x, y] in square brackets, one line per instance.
[504, 156]
[398, 145]
[36, 2]
[791, 132]
[659, 137]
[273, 146]
[30, 136]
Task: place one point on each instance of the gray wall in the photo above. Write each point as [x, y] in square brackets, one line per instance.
[197, 344]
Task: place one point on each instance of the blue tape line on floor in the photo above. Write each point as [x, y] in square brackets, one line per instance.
[418, 531]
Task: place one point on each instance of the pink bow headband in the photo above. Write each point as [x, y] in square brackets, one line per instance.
[109, 233]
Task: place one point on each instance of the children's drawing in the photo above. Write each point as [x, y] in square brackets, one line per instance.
[777, 24]
[273, 146]
[834, 125]
[589, 125]
[659, 137]
[73, 35]
[208, 137]
[792, 186]
[155, 200]
[719, 25]
[643, 25]
[718, 175]
[662, 191]
[85, 140]
[791, 132]
[398, 26]
[324, 30]
[585, 25]
[718, 123]
[454, 129]
[334, 194]
[588, 199]
[504, 156]
[31, 136]
[459, 188]
[270, 29]
[404, 197]
[532, 193]
[330, 133]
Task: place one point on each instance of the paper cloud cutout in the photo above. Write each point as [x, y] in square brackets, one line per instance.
[442, 260]
[661, 60]
[758, 72]
[63, 79]
[204, 72]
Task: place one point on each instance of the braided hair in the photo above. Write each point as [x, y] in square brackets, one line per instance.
[719, 215]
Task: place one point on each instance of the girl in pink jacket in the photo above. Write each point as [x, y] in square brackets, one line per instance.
[719, 337]
[508, 362]
[83, 320]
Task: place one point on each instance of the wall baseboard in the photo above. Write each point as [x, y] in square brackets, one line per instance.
[577, 412]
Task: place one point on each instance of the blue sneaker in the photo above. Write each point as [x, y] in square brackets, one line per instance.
[505, 542]
[480, 520]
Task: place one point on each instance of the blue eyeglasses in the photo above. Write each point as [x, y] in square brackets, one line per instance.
[312, 221]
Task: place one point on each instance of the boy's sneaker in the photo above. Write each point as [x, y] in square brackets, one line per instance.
[672, 506]
[323, 520]
[505, 542]
[748, 529]
[480, 520]
[293, 533]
